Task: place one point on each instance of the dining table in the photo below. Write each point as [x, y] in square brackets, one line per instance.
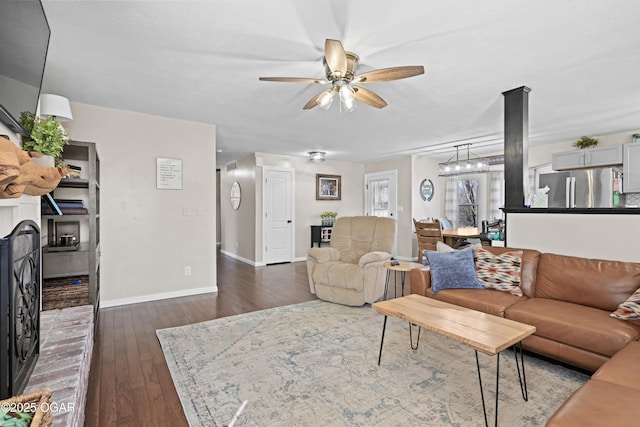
[455, 237]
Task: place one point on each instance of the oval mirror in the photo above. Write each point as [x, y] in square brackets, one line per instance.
[236, 195]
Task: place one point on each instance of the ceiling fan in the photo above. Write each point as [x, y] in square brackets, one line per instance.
[340, 70]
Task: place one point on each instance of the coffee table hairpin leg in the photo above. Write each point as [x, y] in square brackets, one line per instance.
[417, 338]
[522, 379]
[386, 285]
[384, 327]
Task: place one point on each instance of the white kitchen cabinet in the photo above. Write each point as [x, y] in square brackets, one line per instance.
[603, 156]
[567, 160]
[631, 168]
[587, 158]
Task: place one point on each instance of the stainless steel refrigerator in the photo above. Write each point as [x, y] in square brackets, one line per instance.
[583, 188]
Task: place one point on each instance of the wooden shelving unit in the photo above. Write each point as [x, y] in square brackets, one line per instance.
[85, 261]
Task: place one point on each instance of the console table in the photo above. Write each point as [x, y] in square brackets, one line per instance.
[320, 234]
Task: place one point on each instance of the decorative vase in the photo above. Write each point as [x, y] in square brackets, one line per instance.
[46, 161]
[328, 220]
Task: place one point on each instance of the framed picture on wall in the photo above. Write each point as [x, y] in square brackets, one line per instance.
[328, 187]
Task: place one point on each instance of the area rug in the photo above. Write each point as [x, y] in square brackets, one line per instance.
[315, 364]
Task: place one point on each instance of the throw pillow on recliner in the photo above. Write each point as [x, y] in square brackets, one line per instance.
[453, 270]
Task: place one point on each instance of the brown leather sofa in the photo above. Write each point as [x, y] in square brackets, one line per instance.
[569, 300]
[609, 398]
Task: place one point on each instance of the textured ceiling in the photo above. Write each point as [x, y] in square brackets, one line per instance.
[200, 61]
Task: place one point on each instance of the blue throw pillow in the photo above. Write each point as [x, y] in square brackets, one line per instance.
[451, 270]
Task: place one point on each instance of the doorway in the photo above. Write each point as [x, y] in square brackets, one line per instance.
[380, 195]
[278, 215]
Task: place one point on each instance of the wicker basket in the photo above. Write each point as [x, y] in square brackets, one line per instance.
[41, 400]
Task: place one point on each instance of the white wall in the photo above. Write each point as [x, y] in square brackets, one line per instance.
[218, 214]
[239, 228]
[613, 237]
[244, 226]
[148, 235]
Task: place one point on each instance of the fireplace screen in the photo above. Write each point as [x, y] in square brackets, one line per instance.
[19, 307]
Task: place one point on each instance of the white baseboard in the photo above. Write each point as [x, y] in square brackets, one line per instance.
[245, 260]
[155, 297]
[254, 263]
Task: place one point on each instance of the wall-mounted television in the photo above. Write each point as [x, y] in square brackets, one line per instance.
[24, 40]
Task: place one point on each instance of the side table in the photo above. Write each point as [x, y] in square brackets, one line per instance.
[321, 234]
[403, 267]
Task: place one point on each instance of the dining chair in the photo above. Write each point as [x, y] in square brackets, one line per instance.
[428, 234]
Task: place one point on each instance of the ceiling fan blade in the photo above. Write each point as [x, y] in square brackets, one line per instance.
[369, 97]
[335, 57]
[387, 74]
[292, 80]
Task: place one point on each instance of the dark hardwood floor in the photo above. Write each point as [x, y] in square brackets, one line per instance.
[130, 384]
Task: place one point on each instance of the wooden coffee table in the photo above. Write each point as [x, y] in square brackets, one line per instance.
[483, 332]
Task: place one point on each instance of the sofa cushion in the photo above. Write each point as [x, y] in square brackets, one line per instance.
[485, 300]
[598, 403]
[629, 309]
[576, 325]
[500, 272]
[622, 368]
[590, 282]
[451, 270]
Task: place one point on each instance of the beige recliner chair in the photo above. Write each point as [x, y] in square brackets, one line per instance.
[351, 270]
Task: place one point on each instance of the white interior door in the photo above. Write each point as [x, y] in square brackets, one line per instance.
[278, 215]
[380, 195]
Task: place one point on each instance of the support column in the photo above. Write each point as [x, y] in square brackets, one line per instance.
[516, 146]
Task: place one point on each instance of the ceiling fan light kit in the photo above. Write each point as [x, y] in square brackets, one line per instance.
[340, 71]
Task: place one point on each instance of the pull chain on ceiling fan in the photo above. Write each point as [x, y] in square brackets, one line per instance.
[340, 67]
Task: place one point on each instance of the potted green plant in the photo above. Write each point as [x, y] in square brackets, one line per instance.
[46, 136]
[585, 142]
[328, 217]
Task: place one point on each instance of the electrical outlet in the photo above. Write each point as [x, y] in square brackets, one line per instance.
[187, 270]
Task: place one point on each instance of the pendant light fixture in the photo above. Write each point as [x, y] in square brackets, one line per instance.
[472, 163]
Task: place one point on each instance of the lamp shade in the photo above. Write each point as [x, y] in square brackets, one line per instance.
[55, 106]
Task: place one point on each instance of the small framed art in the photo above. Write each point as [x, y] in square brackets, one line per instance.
[328, 187]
